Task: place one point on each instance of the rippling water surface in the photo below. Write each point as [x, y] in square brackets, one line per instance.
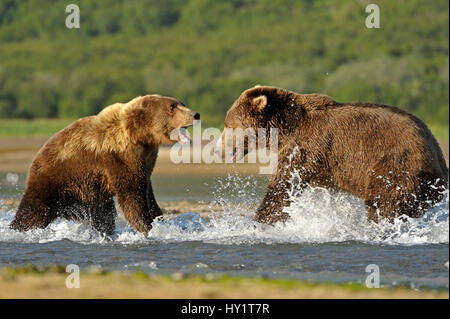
[328, 238]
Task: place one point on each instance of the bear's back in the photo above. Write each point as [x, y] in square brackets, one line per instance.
[385, 131]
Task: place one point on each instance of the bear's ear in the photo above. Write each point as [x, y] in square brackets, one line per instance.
[259, 102]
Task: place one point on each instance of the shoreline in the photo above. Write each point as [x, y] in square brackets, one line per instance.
[34, 282]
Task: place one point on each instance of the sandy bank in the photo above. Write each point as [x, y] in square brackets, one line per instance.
[23, 283]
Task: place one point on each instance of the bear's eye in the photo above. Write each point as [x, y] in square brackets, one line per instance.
[173, 107]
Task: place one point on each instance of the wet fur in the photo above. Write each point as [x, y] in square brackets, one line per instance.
[381, 154]
[78, 171]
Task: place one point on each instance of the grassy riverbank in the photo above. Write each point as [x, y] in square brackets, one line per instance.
[32, 282]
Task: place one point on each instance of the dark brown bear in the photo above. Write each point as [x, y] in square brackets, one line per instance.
[78, 171]
[381, 154]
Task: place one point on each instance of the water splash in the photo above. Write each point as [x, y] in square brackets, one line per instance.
[320, 216]
[317, 216]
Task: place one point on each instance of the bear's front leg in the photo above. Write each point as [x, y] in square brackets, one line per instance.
[131, 194]
[133, 202]
[275, 199]
[153, 206]
[278, 193]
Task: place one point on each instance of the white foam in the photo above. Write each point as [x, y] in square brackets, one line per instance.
[317, 216]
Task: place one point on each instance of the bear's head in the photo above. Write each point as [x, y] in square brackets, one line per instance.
[266, 107]
[153, 119]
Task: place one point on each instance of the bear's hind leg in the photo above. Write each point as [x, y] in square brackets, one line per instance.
[390, 206]
[32, 213]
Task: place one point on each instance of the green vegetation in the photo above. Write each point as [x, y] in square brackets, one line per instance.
[39, 127]
[206, 52]
[193, 280]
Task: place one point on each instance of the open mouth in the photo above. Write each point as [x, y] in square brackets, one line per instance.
[183, 135]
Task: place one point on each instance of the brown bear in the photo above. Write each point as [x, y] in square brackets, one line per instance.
[78, 171]
[381, 154]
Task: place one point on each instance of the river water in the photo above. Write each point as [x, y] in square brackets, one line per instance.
[327, 239]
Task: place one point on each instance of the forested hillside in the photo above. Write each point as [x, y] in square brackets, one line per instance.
[206, 52]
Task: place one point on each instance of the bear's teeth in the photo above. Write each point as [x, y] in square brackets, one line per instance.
[184, 137]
